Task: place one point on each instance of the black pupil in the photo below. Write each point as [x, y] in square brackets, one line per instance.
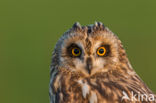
[76, 51]
[101, 51]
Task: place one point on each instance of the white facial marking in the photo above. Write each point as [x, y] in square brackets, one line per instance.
[85, 88]
[93, 98]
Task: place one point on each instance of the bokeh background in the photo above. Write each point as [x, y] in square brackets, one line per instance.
[29, 29]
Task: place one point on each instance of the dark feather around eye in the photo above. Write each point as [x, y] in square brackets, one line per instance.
[69, 49]
[107, 50]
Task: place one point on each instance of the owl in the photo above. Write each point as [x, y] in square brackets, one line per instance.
[90, 65]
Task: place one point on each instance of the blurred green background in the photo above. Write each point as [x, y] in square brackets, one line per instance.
[29, 30]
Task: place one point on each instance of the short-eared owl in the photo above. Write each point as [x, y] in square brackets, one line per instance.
[89, 65]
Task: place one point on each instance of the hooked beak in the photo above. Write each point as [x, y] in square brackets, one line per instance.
[89, 65]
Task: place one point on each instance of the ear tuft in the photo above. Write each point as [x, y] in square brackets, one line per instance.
[77, 26]
[98, 26]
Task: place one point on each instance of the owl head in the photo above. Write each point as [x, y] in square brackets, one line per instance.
[89, 50]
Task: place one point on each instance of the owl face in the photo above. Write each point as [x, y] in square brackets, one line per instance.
[89, 65]
[88, 51]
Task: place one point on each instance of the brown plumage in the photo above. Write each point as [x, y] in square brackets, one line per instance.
[89, 65]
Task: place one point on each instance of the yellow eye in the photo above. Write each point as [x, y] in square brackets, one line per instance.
[76, 52]
[101, 51]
